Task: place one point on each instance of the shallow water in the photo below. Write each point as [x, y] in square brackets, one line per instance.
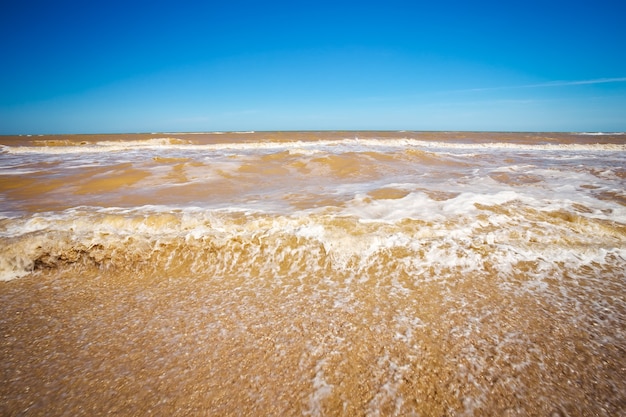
[313, 273]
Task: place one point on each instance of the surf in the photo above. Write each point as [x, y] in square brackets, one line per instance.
[448, 273]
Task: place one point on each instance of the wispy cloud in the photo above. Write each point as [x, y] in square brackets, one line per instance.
[580, 82]
[553, 84]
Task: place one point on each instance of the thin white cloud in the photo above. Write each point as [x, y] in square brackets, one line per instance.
[554, 84]
[581, 82]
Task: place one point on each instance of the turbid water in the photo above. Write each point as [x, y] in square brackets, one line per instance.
[313, 273]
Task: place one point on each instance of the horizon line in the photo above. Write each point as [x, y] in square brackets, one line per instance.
[582, 132]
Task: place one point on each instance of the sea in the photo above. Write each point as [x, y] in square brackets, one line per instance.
[313, 274]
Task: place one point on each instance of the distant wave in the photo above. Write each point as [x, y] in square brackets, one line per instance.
[599, 133]
[354, 144]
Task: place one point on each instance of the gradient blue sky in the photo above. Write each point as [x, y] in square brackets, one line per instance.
[148, 66]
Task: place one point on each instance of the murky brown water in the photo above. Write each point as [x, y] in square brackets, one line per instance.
[303, 273]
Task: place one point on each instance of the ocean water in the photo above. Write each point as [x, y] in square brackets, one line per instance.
[313, 273]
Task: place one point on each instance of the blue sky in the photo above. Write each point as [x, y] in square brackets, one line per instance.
[148, 66]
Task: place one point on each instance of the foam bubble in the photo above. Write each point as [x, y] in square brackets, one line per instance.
[321, 390]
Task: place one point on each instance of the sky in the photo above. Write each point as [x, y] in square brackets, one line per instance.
[190, 66]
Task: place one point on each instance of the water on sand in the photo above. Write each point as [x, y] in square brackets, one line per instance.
[313, 273]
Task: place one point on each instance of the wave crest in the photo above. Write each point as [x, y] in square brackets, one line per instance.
[341, 246]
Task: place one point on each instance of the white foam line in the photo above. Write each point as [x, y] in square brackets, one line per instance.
[321, 390]
[600, 133]
[345, 144]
